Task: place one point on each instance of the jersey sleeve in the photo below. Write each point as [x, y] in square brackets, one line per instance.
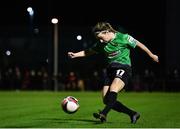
[131, 41]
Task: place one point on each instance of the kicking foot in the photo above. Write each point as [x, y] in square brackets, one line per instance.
[134, 118]
[100, 116]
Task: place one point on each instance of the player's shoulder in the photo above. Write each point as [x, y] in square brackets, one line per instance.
[122, 35]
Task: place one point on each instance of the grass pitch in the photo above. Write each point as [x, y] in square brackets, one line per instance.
[41, 109]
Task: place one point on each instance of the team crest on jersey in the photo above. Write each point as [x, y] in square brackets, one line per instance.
[113, 54]
[114, 44]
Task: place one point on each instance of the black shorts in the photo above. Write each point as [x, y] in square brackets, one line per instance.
[117, 70]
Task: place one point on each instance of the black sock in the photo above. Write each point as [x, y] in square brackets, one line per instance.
[118, 106]
[110, 100]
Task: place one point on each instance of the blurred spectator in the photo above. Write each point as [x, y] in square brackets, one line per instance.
[44, 80]
[81, 85]
[176, 74]
[136, 82]
[39, 79]
[9, 79]
[95, 81]
[71, 81]
[148, 80]
[33, 79]
[26, 82]
[17, 78]
[61, 82]
[175, 80]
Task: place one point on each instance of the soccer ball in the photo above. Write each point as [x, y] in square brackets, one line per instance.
[70, 105]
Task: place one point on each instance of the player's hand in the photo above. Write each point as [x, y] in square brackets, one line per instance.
[71, 55]
[155, 58]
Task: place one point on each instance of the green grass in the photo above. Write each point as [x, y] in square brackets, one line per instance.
[42, 110]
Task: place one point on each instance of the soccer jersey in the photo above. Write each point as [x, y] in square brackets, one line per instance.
[118, 49]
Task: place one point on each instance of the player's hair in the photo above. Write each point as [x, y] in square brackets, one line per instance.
[102, 26]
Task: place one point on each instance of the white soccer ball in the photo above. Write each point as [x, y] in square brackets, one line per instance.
[70, 104]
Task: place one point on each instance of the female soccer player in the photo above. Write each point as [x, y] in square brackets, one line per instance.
[116, 46]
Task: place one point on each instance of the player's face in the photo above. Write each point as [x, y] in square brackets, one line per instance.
[104, 36]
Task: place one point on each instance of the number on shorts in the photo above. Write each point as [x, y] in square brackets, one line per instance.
[120, 72]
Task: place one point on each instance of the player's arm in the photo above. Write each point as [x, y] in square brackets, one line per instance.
[82, 53]
[145, 49]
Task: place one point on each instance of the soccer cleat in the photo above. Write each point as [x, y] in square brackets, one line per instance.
[100, 116]
[134, 118]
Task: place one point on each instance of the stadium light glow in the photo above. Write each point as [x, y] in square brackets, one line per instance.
[79, 37]
[54, 20]
[30, 11]
[8, 53]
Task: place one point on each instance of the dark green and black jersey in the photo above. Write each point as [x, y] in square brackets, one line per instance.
[118, 49]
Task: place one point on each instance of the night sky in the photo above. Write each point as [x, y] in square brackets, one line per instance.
[127, 13]
[146, 20]
[140, 18]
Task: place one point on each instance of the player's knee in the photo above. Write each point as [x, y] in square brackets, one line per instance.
[105, 100]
